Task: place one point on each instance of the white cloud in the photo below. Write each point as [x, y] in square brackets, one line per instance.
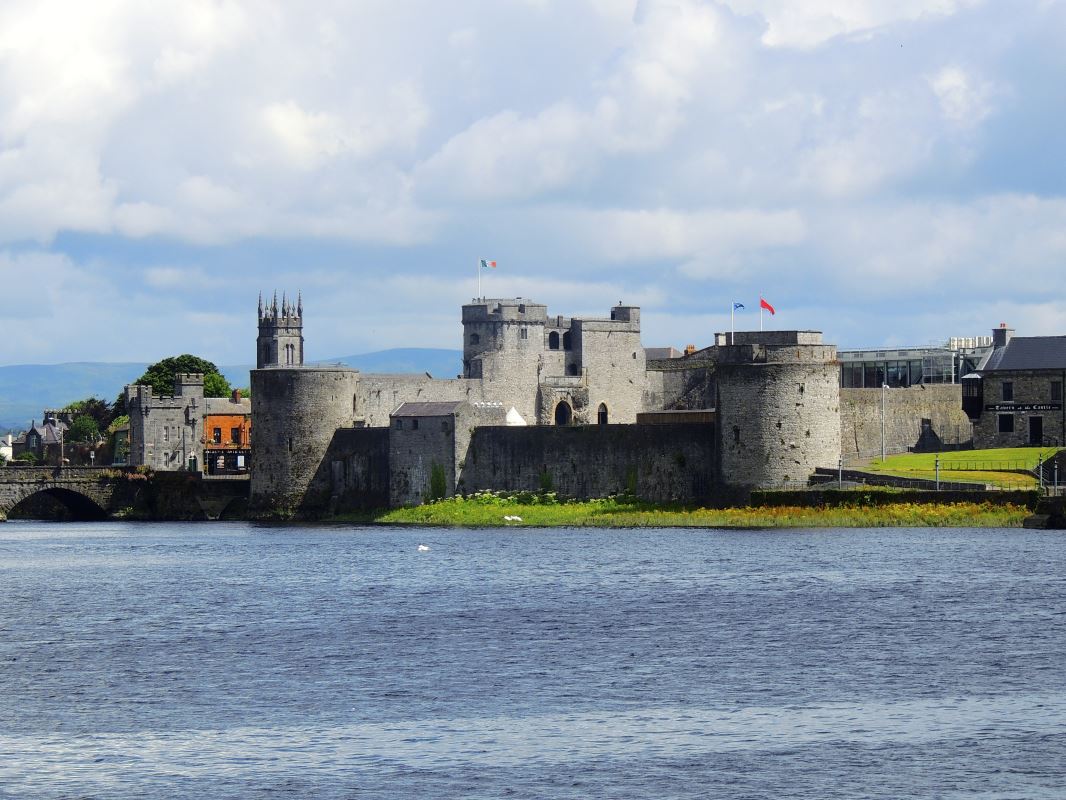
[813, 22]
[963, 100]
[699, 239]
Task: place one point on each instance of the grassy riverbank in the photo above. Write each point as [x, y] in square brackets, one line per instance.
[495, 511]
[1003, 467]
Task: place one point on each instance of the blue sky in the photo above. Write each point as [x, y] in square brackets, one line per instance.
[887, 172]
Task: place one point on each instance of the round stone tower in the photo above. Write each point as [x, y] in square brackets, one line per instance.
[778, 407]
[295, 412]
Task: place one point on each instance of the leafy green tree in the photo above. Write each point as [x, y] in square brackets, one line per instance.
[160, 376]
[216, 385]
[99, 410]
[27, 456]
[83, 429]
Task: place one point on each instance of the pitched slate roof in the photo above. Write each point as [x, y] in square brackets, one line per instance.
[445, 409]
[1027, 352]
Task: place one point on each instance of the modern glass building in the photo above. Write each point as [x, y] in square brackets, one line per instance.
[911, 366]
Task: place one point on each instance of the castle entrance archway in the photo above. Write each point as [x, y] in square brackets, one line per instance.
[563, 413]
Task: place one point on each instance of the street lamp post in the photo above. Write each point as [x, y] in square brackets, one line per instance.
[884, 387]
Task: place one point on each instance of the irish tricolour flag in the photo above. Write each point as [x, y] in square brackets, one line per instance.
[487, 264]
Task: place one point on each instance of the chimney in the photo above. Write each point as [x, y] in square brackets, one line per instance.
[236, 395]
[1001, 335]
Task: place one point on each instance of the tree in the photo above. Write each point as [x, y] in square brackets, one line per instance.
[100, 411]
[27, 456]
[83, 429]
[160, 376]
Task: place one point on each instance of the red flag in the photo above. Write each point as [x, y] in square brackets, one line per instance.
[767, 306]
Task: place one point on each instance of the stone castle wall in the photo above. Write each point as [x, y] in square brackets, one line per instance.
[357, 461]
[379, 395]
[659, 463]
[905, 409]
[680, 384]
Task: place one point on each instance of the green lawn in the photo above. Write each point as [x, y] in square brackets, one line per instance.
[525, 510]
[976, 466]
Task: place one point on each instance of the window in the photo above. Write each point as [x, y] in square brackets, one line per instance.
[1006, 423]
[166, 433]
[1056, 391]
[474, 339]
[399, 424]
[414, 424]
[1008, 393]
[216, 435]
[553, 340]
[567, 341]
[524, 334]
[571, 369]
[235, 435]
[601, 414]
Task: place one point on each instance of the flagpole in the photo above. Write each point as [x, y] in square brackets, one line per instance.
[760, 314]
[732, 314]
[479, 279]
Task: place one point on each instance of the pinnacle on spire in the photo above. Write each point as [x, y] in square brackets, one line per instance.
[284, 304]
[299, 303]
[274, 307]
[260, 305]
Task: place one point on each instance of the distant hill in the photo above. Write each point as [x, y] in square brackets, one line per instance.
[27, 389]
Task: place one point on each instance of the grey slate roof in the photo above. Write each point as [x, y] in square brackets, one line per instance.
[445, 409]
[224, 405]
[1027, 352]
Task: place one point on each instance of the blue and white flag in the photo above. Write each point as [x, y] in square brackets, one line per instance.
[737, 305]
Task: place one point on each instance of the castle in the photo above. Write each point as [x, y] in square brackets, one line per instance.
[567, 403]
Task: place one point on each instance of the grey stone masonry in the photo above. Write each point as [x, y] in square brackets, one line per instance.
[1021, 408]
[431, 439]
[295, 413]
[916, 418]
[778, 407]
[281, 339]
[166, 432]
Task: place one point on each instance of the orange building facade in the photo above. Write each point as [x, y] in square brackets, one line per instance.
[227, 435]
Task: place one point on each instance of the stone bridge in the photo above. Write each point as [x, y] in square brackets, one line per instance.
[102, 492]
[88, 492]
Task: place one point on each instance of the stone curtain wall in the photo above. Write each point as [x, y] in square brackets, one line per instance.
[905, 408]
[676, 383]
[661, 463]
[357, 461]
[381, 394]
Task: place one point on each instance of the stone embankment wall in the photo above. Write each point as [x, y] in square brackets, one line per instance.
[905, 409]
[658, 463]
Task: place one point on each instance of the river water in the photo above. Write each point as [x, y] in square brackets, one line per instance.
[235, 660]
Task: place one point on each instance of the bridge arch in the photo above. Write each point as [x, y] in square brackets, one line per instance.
[53, 502]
